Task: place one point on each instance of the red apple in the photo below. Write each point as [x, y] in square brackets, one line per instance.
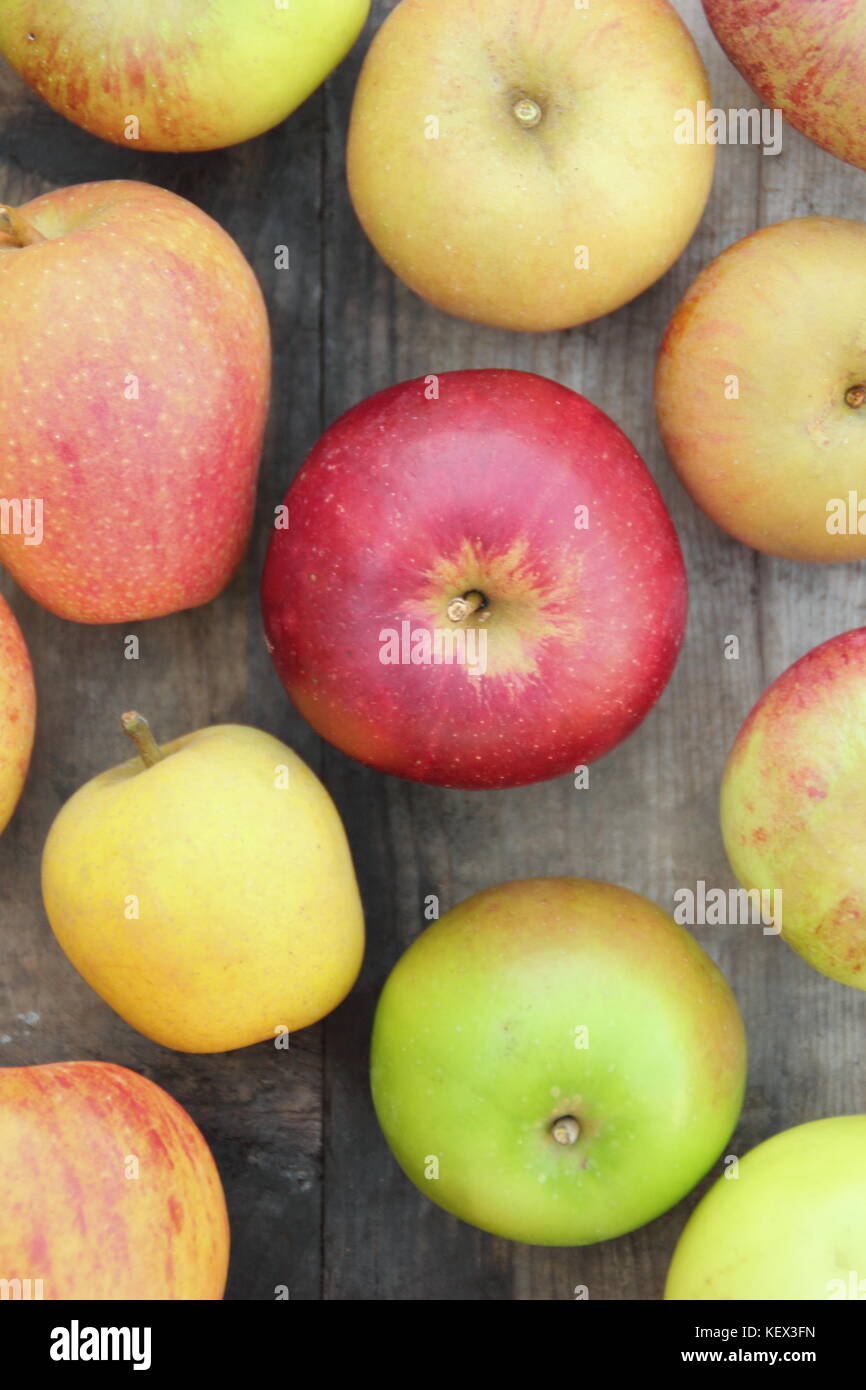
[136, 371]
[805, 57]
[109, 1189]
[499, 522]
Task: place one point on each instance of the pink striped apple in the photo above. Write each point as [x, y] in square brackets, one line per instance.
[17, 712]
[805, 57]
[794, 806]
[109, 1189]
[133, 396]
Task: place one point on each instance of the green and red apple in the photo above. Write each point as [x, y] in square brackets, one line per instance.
[761, 390]
[205, 889]
[500, 522]
[557, 1062]
[789, 1223]
[177, 74]
[109, 1189]
[17, 712]
[516, 163]
[133, 397]
[793, 805]
[805, 57]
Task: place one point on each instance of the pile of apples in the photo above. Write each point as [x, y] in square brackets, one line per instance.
[556, 1060]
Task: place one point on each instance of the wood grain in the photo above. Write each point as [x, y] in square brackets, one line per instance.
[317, 1203]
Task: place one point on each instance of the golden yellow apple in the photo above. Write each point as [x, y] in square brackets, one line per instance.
[17, 712]
[206, 889]
[517, 163]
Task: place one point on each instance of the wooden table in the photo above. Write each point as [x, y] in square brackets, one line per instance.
[317, 1203]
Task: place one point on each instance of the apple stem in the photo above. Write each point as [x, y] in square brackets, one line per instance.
[565, 1130]
[856, 397]
[459, 609]
[22, 232]
[139, 731]
[527, 112]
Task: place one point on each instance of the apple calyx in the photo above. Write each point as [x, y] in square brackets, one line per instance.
[462, 607]
[527, 112]
[856, 397]
[565, 1130]
[138, 729]
[22, 232]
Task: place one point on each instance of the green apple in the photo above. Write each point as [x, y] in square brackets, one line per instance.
[789, 1223]
[177, 74]
[556, 1061]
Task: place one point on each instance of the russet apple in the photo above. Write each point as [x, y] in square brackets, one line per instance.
[761, 390]
[177, 74]
[788, 1224]
[133, 399]
[793, 805]
[109, 1189]
[17, 712]
[516, 163]
[477, 585]
[806, 58]
[206, 890]
[556, 1061]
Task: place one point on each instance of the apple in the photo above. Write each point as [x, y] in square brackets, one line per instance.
[474, 582]
[805, 59]
[761, 390]
[788, 1224]
[556, 1061]
[518, 164]
[793, 805]
[109, 1189]
[177, 74]
[133, 400]
[206, 890]
[17, 712]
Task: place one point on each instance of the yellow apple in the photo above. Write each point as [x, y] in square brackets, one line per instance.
[788, 1223]
[517, 163]
[206, 890]
[17, 712]
[177, 74]
[761, 390]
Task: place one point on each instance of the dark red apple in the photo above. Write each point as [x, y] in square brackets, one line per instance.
[475, 582]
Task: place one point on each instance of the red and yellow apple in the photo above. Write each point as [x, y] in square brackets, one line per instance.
[556, 1061]
[761, 390]
[133, 399]
[177, 74]
[17, 712]
[793, 805]
[516, 163]
[788, 1224]
[805, 57]
[109, 1189]
[477, 585]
